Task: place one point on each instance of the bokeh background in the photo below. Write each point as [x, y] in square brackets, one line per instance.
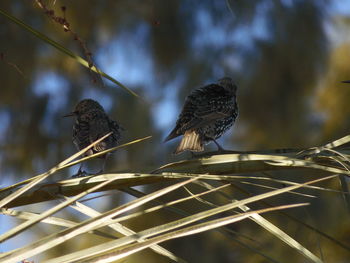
[288, 58]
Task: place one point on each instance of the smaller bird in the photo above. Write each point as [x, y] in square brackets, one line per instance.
[92, 123]
[207, 114]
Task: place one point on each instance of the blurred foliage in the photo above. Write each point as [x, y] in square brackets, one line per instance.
[287, 56]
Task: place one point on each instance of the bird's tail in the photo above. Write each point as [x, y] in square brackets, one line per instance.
[190, 141]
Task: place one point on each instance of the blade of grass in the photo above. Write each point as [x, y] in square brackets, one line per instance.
[271, 187]
[29, 215]
[291, 183]
[191, 219]
[165, 205]
[95, 155]
[307, 164]
[71, 187]
[312, 228]
[237, 177]
[243, 163]
[50, 220]
[86, 210]
[343, 183]
[70, 163]
[331, 145]
[22, 227]
[88, 225]
[191, 230]
[272, 228]
[269, 227]
[43, 176]
[321, 233]
[227, 232]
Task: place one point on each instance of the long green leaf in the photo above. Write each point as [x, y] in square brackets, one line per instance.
[64, 50]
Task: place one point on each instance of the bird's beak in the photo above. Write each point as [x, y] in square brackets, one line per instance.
[346, 81]
[69, 115]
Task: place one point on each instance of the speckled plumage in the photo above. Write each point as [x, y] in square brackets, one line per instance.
[92, 123]
[208, 113]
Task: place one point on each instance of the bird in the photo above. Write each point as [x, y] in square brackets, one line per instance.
[92, 123]
[207, 114]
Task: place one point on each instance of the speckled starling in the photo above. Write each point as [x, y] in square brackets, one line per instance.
[207, 114]
[92, 123]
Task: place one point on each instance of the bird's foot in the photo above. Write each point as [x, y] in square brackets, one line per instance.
[224, 151]
[80, 173]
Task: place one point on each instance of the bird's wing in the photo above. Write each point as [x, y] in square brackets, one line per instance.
[200, 110]
[206, 111]
[99, 127]
[173, 134]
[204, 119]
[81, 134]
[116, 129]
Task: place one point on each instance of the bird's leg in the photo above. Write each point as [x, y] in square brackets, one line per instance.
[80, 172]
[103, 164]
[220, 149]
